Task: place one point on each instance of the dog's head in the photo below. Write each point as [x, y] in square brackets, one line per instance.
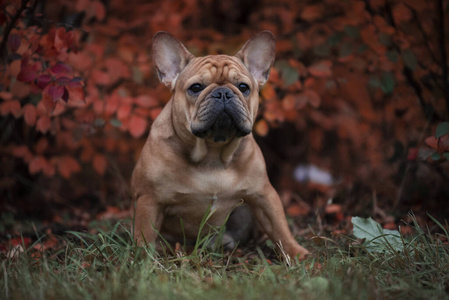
[214, 97]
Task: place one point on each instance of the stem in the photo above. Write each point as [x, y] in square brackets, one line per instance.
[440, 8]
[9, 27]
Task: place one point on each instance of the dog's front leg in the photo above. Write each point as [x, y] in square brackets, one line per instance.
[269, 212]
[147, 220]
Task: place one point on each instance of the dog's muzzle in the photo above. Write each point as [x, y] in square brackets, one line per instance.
[221, 115]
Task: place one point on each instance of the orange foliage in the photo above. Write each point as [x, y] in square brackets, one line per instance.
[356, 77]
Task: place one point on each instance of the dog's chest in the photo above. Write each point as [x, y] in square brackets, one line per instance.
[195, 194]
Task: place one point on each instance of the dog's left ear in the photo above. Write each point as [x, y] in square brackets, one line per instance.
[258, 55]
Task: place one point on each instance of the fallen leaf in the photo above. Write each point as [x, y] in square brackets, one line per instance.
[333, 209]
[376, 238]
[296, 210]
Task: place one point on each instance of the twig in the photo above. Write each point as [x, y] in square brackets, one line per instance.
[426, 38]
[427, 109]
[5, 275]
[9, 27]
[442, 45]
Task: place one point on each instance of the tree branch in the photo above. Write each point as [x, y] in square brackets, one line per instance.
[9, 27]
[442, 45]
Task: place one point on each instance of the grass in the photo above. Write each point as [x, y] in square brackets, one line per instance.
[108, 265]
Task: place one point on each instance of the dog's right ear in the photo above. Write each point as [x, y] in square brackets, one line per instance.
[170, 57]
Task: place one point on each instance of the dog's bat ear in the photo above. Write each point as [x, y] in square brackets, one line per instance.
[258, 55]
[170, 57]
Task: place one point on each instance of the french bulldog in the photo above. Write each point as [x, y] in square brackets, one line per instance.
[200, 154]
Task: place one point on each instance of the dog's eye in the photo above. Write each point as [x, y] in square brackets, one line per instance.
[195, 88]
[244, 88]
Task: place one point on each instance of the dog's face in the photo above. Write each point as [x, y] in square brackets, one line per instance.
[215, 97]
[221, 97]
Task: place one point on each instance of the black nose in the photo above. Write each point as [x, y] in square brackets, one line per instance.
[222, 93]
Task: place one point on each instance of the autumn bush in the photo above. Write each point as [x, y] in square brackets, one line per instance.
[357, 89]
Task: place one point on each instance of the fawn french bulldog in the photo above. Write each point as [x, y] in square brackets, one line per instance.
[201, 154]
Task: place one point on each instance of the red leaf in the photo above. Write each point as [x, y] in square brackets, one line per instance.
[146, 101]
[296, 210]
[60, 69]
[71, 41]
[432, 142]
[124, 110]
[440, 144]
[59, 39]
[100, 10]
[29, 114]
[48, 168]
[65, 95]
[43, 124]
[27, 72]
[412, 154]
[41, 145]
[311, 13]
[11, 107]
[333, 209]
[23, 152]
[47, 100]
[99, 163]
[56, 92]
[14, 42]
[112, 212]
[26, 75]
[261, 128]
[402, 13]
[36, 164]
[268, 92]
[155, 112]
[100, 77]
[309, 96]
[81, 5]
[43, 81]
[21, 241]
[76, 93]
[137, 126]
[321, 69]
[67, 165]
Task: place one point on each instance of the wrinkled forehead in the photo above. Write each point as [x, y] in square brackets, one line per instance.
[216, 68]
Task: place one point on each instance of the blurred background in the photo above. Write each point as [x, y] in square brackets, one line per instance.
[353, 120]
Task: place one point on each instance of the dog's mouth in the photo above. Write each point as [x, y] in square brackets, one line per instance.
[221, 116]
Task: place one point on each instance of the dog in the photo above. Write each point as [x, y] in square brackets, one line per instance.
[200, 154]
